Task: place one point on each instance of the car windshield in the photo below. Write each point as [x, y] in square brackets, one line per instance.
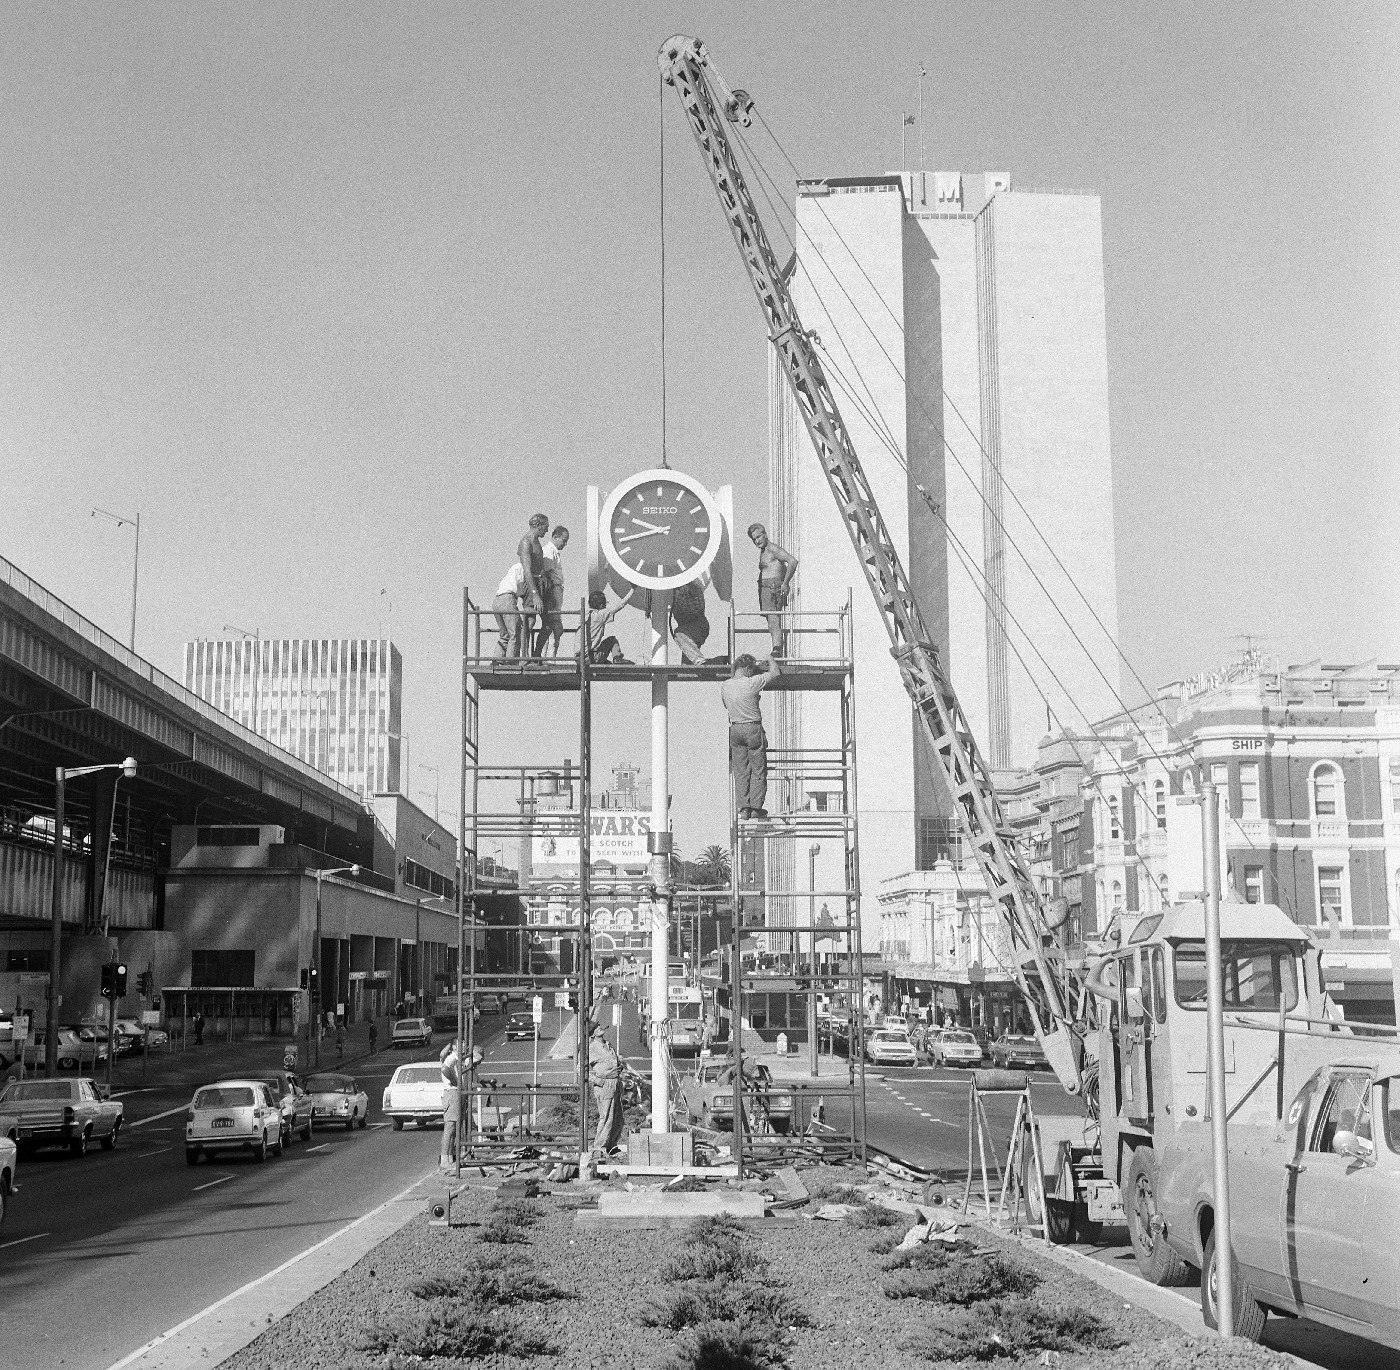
[1257, 975]
[418, 1075]
[330, 1084]
[224, 1096]
[39, 1089]
[412, 1024]
[963, 1038]
[896, 1037]
[690, 1010]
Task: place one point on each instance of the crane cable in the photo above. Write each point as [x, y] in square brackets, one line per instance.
[661, 138]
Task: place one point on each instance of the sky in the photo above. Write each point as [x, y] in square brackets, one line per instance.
[337, 295]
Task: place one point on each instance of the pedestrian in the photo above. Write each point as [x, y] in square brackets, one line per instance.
[198, 1029]
[689, 626]
[398, 1010]
[551, 627]
[601, 646]
[373, 1037]
[339, 1040]
[748, 743]
[454, 1085]
[605, 1070]
[776, 568]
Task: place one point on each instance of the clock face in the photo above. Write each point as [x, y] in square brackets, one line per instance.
[661, 529]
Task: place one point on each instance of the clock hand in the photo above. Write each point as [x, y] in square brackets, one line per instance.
[655, 528]
[632, 537]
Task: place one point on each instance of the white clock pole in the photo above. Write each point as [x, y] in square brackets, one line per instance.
[660, 867]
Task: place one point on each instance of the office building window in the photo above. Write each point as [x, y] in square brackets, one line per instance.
[1326, 791]
[1395, 787]
[1115, 827]
[1254, 884]
[1249, 789]
[1220, 778]
[1164, 890]
[1069, 850]
[1160, 802]
[1330, 891]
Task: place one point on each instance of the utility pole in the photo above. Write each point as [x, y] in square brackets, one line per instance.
[660, 847]
[922, 74]
[134, 521]
[1215, 1033]
[56, 942]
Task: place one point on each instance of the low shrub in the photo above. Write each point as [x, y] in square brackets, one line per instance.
[446, 1328]
[724, 1346]
[884, 1241]
[710, 1249]
[1006, 1328]
[956, 1278]
[703, 1301]
[876, 1215]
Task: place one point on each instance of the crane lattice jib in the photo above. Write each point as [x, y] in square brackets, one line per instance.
[686, 66]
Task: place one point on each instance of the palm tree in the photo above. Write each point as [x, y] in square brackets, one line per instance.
[714, 864]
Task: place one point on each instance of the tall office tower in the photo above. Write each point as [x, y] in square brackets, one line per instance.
[335, 703]
[962, 327]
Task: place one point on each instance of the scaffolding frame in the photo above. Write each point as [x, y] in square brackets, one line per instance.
[487, 1130]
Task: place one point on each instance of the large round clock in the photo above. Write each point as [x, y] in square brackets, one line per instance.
[659, 529]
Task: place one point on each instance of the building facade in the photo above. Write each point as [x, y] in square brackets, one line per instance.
[962, 326]
[335, 703]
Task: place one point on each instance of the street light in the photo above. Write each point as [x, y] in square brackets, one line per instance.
[62, 775]
[316, 951]
[121, 520]
[256, 635]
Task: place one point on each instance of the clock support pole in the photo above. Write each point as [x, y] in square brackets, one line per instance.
[660, 866]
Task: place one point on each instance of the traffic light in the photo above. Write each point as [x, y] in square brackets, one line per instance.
[305, 978]
[119, 981]
[313, 978]
[108, 979]
[145, 983]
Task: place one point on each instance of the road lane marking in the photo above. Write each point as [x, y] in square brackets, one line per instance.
[271, 1274]
[141, 1155]
[122, 1093]
[325, 1146]
[223, 1179]
[20, 1241]
[169, 1113]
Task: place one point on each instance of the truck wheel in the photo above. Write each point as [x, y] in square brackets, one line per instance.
[110, 1140]
[1059, 1217]
[397, 1124]
[306, 1131]
[1250, 1316]
[1157, 1262]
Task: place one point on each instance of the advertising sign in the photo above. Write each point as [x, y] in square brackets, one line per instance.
[537, 1008]
[618, 836]
[150, 1018]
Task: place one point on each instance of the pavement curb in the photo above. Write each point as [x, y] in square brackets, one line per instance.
[214, 1334]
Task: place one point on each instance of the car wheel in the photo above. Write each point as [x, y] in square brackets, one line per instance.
[350, 1123]
[364, 1121]
[191, 1156]
[110, 1140]
[78, 1146]
[260, 1151]
[67, 1063]
[1158, 1263]
[306, 1131]
[1250, 1316]
[284, 1140]
[397, 1124]
[421, 1122]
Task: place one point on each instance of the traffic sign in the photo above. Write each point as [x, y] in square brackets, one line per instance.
[617, 1015]
[537, 1008]
[150, 1018]
[561, 998]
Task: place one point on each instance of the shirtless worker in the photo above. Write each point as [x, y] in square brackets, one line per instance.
[529, 552]
[776, 568]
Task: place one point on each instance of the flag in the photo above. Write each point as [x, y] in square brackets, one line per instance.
[908, 119]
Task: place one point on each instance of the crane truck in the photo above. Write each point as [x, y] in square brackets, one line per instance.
[1122, 1022]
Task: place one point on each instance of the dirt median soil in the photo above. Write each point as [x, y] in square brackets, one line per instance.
[583, 1294]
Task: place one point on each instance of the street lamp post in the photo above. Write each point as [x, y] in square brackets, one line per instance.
[134, 522]
[316, 950]
[256, 635]
[62, 775]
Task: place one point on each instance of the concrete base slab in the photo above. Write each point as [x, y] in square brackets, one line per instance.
[656, 1203]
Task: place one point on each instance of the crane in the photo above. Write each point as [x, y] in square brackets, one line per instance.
[1047, 982]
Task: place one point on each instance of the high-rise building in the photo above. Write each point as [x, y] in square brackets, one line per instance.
[961, 324]
[333, 702]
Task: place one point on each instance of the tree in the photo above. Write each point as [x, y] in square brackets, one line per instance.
[714, 865]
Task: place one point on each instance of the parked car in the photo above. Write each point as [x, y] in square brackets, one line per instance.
[73, 1052]
[337, 1099]
[71, 1113]
[293, 1102]
[1018, 1050]
[9, 1163]
[411, 1032]
[97, 1032]
[520, 1027]
[889, 1047]
[954, 1047]
[233, 1115]
[709, 1097]
[414, 1095]
[152, 1038]
[490, 1003]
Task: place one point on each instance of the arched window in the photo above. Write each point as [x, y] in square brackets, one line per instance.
[1115, 829]
[1160, 802]
[1162, 888]
[1328, 798]
[1117, 896]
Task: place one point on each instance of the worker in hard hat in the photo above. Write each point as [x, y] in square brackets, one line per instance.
[605, 1070]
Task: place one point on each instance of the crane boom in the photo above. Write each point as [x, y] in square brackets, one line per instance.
[686, 67]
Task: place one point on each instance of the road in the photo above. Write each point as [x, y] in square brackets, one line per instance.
[920, 1115]
[102, 1253]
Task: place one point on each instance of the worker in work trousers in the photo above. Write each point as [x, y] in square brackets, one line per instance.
[605, 1070]
[450, 1062]
[748, 744]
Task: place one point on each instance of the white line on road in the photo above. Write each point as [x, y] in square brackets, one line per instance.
[19, 1241]
[223, 1179]
[271, 1274]
[325, 1146]
[122, 1093]
[169, 1112]
[159, 1151]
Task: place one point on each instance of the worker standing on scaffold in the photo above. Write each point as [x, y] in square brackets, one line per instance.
[748, 743]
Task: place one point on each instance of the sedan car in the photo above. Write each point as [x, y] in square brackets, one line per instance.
[73, 1052]
[293, 1102]
[888, 1047]
[337, 1099]
[414, 1095]
[1018, 1051]
[234, 1115]
[709, 1098]
[520, 1027]
[411, 1032]
[153, 1038]
[491, 1003]
[954, 1047]
[71, 1113]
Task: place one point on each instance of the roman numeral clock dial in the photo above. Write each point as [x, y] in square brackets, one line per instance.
[659, 529]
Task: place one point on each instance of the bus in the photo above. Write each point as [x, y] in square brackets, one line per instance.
[689, 1021]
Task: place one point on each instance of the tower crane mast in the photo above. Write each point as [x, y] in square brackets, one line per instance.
[1039, 965]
